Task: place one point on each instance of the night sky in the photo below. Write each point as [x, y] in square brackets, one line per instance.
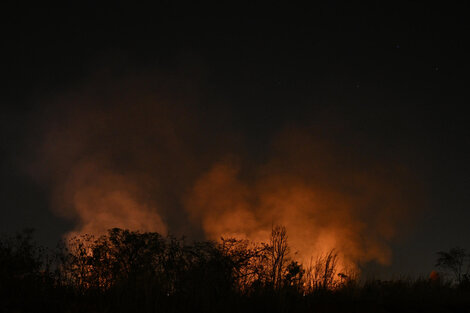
[380, 91]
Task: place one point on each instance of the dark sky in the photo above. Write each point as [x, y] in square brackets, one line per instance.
[396, 76]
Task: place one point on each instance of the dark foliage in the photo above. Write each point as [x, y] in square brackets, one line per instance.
[456, 262]
[126, 271]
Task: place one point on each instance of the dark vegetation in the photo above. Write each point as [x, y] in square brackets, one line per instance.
[127, 271]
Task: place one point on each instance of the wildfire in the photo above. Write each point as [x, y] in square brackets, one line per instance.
[148, 169]
[318, 221]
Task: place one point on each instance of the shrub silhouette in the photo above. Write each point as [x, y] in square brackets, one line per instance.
[20, 258]
[25, 276]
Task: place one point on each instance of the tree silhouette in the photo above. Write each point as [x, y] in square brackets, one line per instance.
[127, 271]
[19, 256]
[25, 279]
[145, 261]
[248, 262]
[279, 251]
[455, 261]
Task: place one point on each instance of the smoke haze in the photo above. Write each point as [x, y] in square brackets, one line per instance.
[152, 155]
[310, 188]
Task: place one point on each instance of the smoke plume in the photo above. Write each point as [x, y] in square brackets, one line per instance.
[308, 186]
[146, 155]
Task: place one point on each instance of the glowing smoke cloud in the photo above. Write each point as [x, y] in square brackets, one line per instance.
[323, 205]
[128, 157]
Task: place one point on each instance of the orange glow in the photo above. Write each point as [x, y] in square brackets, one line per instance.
[103, 200]
[156, 166]
[317, 220]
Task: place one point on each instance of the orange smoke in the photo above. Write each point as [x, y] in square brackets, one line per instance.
[307, 187]
[102, 200]
[317, 220]
[114, 156]
[132, 159]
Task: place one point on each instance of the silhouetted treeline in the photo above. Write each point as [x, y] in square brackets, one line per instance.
[126, 271]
